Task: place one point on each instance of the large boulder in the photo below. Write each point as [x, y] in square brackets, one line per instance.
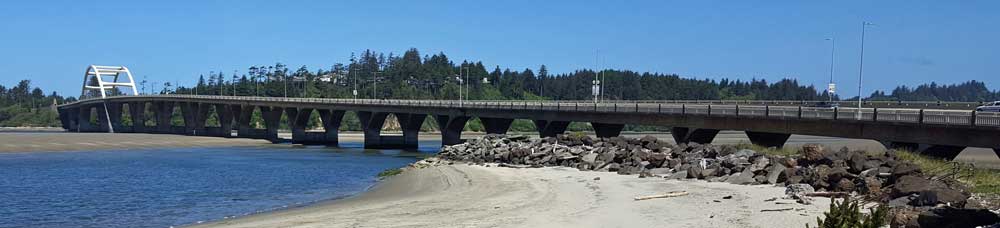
[813, 153]
[948, 217]
[931, 192]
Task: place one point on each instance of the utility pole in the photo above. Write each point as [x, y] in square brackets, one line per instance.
[861, 65]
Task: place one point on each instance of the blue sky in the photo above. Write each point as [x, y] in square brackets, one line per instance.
[913, 42]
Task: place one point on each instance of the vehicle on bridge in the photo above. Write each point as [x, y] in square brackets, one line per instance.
[989, 107]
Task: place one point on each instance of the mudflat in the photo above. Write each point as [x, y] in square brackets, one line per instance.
[67, 141]
[476, 196]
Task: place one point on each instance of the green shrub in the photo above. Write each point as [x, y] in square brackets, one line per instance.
[846, 214]
[390, 172]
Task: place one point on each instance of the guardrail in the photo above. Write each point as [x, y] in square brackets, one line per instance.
[894, 115]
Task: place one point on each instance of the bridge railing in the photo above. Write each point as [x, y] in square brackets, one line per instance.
[737, 108]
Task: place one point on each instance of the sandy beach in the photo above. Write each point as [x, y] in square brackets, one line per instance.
[476, 196]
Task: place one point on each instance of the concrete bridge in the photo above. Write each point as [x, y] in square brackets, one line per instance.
[937, 132]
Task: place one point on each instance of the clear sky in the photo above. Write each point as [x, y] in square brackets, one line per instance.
[913, 42]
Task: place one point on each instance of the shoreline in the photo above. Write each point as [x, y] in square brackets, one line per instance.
[462, 195]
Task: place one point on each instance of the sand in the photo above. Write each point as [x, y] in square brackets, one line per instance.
[67, 141]
[477, 196]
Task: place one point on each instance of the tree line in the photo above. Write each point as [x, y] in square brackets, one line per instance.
[412, 76]
[25, 106]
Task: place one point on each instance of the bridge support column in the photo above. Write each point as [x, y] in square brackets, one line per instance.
[115, 112]
[766, 139]
[164, 110]
[83, 119]
[137, 111]
[272, 121]
[103, 124]
[68, 116]
[195, 115]
[451, 128]
[603, 130]
[244, 129]
[550, 128]
[410, 124]
[697, 135]
[937, 151]
[372, 122]
[226, 116]
[299, 119]
[371, 125]
[496, 125]
[331, 125]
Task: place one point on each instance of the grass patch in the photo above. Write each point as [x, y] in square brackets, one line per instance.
[980, 180]
[785, 151]
[390, 172]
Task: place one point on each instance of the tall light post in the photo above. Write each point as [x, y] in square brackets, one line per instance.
[831, 88]
[355, 92]
[861, 65]
[375, 84]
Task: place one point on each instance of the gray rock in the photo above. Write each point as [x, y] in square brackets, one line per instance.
[590, 158]
[776, 174]
[759, 163]
[745, 177]
[660, 171]
[744, 153]
[798, 189]
[678, 175]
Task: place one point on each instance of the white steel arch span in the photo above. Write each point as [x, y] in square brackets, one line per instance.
[94, 79]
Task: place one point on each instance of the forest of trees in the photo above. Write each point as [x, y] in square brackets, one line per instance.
[412, 76]
[971, 91]
[25, 106]
[417, 76]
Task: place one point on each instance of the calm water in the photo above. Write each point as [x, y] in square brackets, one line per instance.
[170, 187]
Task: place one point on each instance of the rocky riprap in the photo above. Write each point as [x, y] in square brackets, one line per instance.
[881, 177]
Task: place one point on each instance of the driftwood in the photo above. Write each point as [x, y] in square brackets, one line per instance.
[666, 195]
[514, 166]
[782, 209]
[828, 194]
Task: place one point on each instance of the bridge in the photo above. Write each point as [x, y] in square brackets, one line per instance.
[938, 132]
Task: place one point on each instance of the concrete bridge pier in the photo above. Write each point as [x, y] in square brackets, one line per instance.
[226, 118]
[603, 130]
[937, 151]
[697, 135]
[372, 122]
[64, 118]
[103, 124]
[550, 128]
[299, 121]
[767, 139]
[164, 110]
[69, 117]
[115, 113]
[496, 125]
[244, 118]
[451, 128]
[272, 121]
[137, 111]
[83, 119]
[195, 115]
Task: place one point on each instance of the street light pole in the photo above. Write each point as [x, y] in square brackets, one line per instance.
[375, 84]
[355, 92]
[861, 65]
[831, 87]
